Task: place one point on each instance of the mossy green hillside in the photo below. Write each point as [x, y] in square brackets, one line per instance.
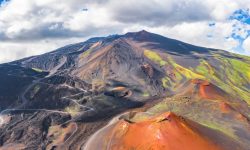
[88, 51]
[155, 57]
[202, 112]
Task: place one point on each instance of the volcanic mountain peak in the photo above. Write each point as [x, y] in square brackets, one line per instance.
[140, 34]
[168, 116]
[79, 87]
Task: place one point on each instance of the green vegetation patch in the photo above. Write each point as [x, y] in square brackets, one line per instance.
[219, 127]
[155, 57]
[234, 76]
[205, 68]
[241, 67]
[200, 111]
[187, 72]
[166, 81]
[72, 110]
[88, 51]
[181, 71]
[145, 94]
[37, 69]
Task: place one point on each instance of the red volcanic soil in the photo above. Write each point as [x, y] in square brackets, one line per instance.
[207, 90]
[164, 132]
[228, 109]
[122, 91]
[225, 107]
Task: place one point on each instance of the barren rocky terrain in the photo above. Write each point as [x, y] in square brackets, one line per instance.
[134, 91]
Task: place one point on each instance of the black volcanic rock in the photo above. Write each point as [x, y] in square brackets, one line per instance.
[59, 99]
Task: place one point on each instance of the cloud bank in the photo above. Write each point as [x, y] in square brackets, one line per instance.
[31, 27]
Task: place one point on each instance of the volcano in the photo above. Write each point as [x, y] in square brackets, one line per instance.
[137, 91]
[166, 131]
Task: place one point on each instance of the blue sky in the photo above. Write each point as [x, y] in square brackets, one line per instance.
[2, 1]
[243, 16]
[32, 27]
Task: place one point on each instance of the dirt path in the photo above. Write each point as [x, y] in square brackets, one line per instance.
[6, 111]
[1, 120]
[52, 72]
[80, 105]
[25, 100]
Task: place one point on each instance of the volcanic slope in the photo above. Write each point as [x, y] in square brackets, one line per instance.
[166, 131]
[80, 87]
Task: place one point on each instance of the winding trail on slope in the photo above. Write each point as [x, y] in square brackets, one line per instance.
[54, 70]
[6, 111]
[80, 105]
[1, 120]
[25, 100]
[34, 82]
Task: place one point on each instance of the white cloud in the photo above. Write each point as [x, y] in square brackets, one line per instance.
[196, 33]
[26, 25]
[246, 45]
[14, 50]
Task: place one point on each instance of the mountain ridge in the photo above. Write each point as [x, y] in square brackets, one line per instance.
[128, 34]
[80, 87]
